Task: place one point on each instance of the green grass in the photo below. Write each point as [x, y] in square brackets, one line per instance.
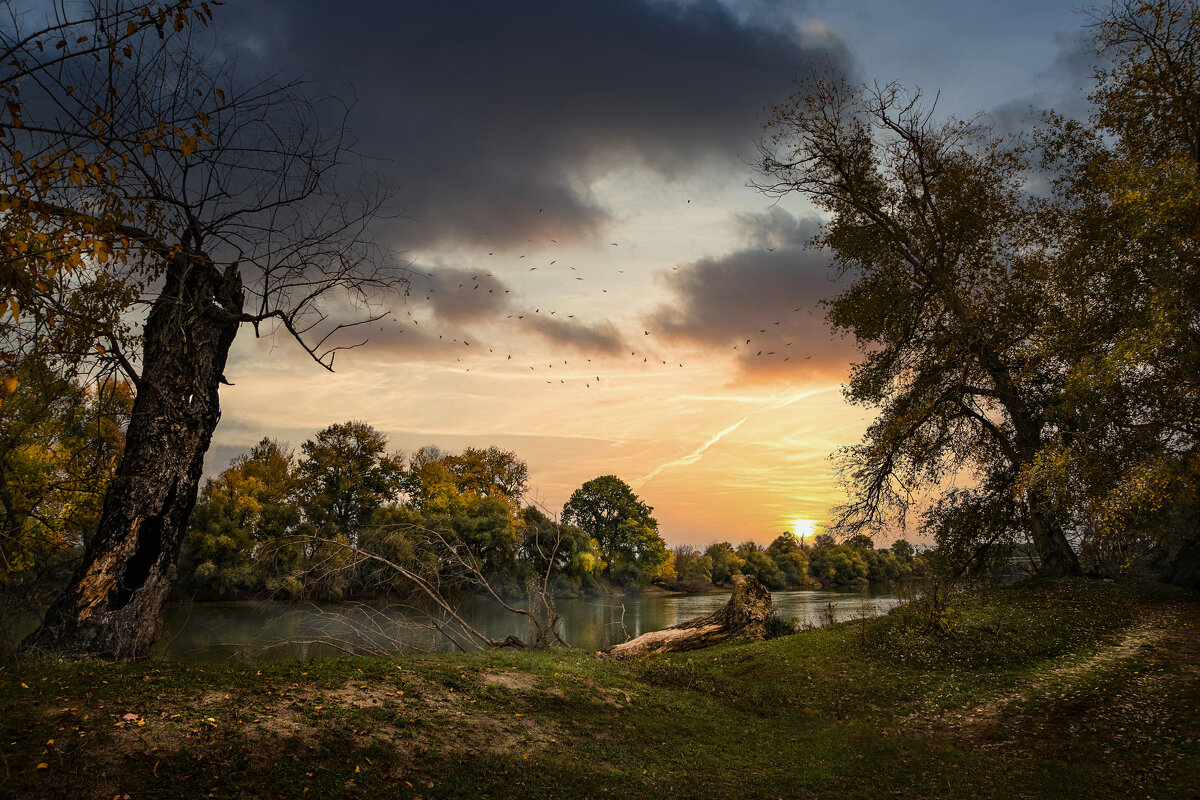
[1067, 689]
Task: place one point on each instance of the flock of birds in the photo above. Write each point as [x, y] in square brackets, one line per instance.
[481, 279]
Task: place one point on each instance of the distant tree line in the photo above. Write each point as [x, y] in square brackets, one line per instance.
[791, 563]
[293, 524]
[288, 525]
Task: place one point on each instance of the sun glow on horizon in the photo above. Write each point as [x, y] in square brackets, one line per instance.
[804, 528]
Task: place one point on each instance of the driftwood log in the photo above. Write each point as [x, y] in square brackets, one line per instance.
[743, 617]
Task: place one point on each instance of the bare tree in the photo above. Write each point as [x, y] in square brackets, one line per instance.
[455, 568]
[159, 203]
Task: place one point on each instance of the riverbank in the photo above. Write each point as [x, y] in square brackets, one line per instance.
[219, 632]
[1072, 689]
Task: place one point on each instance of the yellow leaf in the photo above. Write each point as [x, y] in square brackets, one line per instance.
[220, 95]
[187, 145]
[17, 157]
[43, 765]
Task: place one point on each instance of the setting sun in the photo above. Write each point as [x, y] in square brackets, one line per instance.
[803, 528]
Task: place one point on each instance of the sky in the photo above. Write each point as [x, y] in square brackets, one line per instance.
[594, 284]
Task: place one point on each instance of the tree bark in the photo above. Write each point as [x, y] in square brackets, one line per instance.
[112, 609]
[1057, 557]
[1054, 551]
[743, 617]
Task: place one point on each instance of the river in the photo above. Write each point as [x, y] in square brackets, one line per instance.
[276, 631]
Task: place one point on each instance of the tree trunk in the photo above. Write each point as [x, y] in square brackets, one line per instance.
[112, 609]
[1184, 569]
[1054, 551]
[743, 617]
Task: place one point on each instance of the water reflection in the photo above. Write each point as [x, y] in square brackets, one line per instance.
[264, 630]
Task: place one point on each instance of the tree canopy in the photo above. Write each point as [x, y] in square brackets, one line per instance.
[1041, 346]
[611, 513]
[155, 201]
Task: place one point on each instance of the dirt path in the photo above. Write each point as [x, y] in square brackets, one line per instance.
[1164, 647]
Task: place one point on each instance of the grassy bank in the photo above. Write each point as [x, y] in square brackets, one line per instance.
[1071, 689]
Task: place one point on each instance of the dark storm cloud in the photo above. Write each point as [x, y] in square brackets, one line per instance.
[599, 339]
[461, 296]
[767, 293]
[495, 116]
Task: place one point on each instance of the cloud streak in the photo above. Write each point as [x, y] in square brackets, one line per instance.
[600, 339]
[690, 458]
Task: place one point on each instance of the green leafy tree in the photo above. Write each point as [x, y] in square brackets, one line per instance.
[792, 559]
[345, 473]
[903, 551]
[763, 567]
[490, 531]
[472, 500]
[397, 535]
[489, 472]
[344, 476]
[882, 566]
[725, 563]
[947, 297]
[691, 565]
[623, 526]
[1128, 191]
[240, 538]
[60, 440]
[1042, 345]
[860, 541]
[838, 566]
[566, 551]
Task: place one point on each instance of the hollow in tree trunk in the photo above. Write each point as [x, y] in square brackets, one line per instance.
[112, 609]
